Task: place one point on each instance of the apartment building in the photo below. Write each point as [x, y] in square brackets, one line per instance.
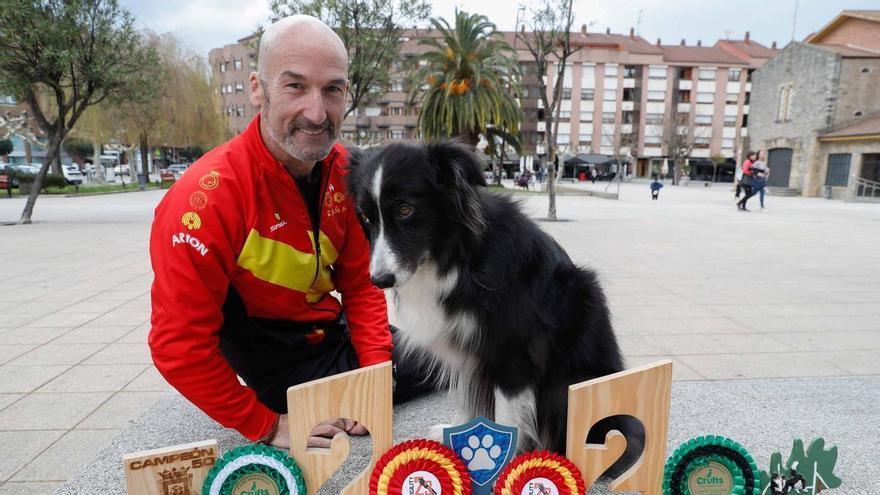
[231, 67]
[622, 95]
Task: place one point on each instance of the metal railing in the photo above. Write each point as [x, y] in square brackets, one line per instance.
[867, 188]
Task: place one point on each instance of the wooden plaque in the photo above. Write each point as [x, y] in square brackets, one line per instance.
[363, 395]
[644, 393]
[179, 469]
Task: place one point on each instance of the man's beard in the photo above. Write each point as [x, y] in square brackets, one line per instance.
[289, 145]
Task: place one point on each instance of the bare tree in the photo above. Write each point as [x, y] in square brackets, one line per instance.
[679, 137]
[621, 145]
[549, 43]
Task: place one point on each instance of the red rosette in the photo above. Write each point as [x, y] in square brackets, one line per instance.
[526, 473]
[420, 466]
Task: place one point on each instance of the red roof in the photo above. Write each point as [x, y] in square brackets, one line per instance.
[700, 55]
[867, 126]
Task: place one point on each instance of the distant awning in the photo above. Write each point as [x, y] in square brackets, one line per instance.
[588, 158]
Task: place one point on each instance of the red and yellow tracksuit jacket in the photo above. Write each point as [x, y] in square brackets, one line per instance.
[237, 219]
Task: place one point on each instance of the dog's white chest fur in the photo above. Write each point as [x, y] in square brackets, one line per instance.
[422, 318]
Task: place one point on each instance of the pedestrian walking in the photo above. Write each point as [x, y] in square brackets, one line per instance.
[656, 185]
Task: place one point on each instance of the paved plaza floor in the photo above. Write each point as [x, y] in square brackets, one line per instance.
[790, 292]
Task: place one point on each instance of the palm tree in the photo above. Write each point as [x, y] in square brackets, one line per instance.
[465, 85]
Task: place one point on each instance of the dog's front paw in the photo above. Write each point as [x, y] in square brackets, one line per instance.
[436, 432]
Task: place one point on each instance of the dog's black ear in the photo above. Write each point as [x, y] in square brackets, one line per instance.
[354, 169]
[460, 173]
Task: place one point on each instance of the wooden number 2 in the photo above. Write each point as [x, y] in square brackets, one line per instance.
[363, 395]
[643, 393]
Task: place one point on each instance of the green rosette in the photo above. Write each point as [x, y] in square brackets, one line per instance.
[255, 470]
[689, 471]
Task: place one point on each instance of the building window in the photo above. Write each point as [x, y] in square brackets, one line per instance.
[783, 108]
[611, 70]
[727, 143]
[239, 111]
[729, 120]
[585, 139]
[748, 98]
[653, 139]
[610, 95]
[222, 89]
[7, 100]
[705, 97]
[749, 73]
[239, 87]
[838, 169]
[397, 86]
[654, 118]
[707, 74]
[587, 117]
[630, 94]
[587, 94]
[657, 73]
[745, 120]
[223, 66]
[684, 96]
[565, 114]
[397, 134]
[702, 142]
[608, 118]
[236, 64]
[733, 75]
[686, 73]
[626, 117]
[703, 119]
[566, 93]
[630, 71]
[562, 139]
[732, 99]
[229, 88]
[656, 95]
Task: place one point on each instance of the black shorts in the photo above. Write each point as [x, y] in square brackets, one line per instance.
[273, 355]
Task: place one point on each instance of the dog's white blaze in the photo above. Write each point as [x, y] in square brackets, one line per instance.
[519, 410]
[382, 260]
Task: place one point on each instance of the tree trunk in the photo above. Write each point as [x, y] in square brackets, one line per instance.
[551, 169]
[51, 156]
[145, 155]
[96, 162]
[28, 154]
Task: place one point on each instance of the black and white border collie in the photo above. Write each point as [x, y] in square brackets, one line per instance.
[497, 306]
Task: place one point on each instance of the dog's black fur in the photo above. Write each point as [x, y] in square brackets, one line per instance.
[542, 322]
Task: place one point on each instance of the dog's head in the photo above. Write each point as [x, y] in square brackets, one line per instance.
[417, 202]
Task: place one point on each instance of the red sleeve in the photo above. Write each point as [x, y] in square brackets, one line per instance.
[364, 303]
[193, 260]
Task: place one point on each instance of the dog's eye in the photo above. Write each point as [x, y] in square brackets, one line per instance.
[404, 211]
[365, 219]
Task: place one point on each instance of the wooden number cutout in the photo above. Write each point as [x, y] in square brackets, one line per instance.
[643, 393]
[363, 395]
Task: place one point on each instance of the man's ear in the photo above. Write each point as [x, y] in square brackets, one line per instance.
[257, 94]
[460, 173]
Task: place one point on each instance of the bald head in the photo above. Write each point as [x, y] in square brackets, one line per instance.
[297, 30]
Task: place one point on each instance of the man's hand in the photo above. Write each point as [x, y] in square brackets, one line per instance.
[321, 435]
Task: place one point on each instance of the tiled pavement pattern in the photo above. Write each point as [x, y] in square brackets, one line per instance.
[790, 292]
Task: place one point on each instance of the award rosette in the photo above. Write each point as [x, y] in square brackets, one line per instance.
[540, 473]
[420, 467]
[255, 469]
[711, 465]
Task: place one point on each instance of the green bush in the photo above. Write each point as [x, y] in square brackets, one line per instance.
[50, 180]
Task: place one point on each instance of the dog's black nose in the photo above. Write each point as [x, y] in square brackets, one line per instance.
[383, 281]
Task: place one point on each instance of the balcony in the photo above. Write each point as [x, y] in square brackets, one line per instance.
[626, 129]
[363, 121]
[685, 84]
[542, 126]
[396, 120]
[627, 106]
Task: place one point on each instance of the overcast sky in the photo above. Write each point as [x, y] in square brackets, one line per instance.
[206, 24]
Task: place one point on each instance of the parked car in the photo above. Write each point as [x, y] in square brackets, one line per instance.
[72, 174]
[177, 169]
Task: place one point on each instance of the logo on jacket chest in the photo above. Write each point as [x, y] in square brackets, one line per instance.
[334, 202]
[279, 223]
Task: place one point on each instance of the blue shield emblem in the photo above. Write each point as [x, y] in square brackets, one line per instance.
[484, 447]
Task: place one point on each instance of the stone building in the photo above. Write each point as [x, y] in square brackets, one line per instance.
[815, 108]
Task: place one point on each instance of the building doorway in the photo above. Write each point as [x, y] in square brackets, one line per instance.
[869, 179]
[779, 161]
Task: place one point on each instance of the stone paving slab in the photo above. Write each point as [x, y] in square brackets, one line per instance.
[763, 415]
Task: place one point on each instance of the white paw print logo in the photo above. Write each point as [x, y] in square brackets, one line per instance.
[481, 454]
